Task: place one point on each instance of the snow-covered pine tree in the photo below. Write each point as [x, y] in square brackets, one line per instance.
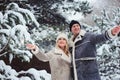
[109, 53]
[7, 73]
[17, 22]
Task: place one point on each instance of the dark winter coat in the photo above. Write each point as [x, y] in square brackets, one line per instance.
[83, 51]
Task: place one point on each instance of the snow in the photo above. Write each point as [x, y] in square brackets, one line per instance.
[20, 17]
[71, 14]
[11, 74]
[32, 17]
[100, 50]
[17, 44]
[1, 17]
[5, 31]
[37, 73]
[90, 1]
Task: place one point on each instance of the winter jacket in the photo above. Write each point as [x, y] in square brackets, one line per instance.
[83, 50]
[59, 63]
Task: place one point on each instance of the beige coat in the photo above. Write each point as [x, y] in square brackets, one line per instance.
[59, 63]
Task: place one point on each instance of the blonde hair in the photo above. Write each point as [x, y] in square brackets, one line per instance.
[66, 48]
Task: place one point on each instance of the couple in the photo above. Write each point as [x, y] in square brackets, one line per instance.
[81, 52]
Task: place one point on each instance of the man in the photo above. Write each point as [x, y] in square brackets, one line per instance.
[83, 49]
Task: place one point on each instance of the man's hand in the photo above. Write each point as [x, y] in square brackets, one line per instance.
[116, 30]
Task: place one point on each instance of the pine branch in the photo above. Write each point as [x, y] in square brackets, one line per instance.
[3, 54]
[3, 49]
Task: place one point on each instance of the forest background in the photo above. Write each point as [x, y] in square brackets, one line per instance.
[40, 21]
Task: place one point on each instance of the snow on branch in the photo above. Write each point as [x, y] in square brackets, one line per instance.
[19, 37]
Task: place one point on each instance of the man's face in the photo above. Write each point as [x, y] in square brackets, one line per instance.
[75, 29]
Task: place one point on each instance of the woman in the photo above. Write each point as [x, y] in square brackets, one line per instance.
[59, 58]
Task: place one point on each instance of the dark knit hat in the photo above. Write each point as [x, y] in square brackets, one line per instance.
[72, 23]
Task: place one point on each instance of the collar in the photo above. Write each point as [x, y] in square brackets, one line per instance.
[82, 33]
[66, 58]
[79, 37]
[58, 51]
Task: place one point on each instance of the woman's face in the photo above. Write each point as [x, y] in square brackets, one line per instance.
[61, 42]
[75, 29]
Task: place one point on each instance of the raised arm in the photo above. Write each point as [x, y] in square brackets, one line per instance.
[35, 50]
[110, 34]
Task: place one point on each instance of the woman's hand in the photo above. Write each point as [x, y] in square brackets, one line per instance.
[31, 46]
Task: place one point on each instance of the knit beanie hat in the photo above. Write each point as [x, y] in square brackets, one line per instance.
[72, 23]
[62, 35]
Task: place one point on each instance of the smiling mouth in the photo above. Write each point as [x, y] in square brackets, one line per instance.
[61, 43]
